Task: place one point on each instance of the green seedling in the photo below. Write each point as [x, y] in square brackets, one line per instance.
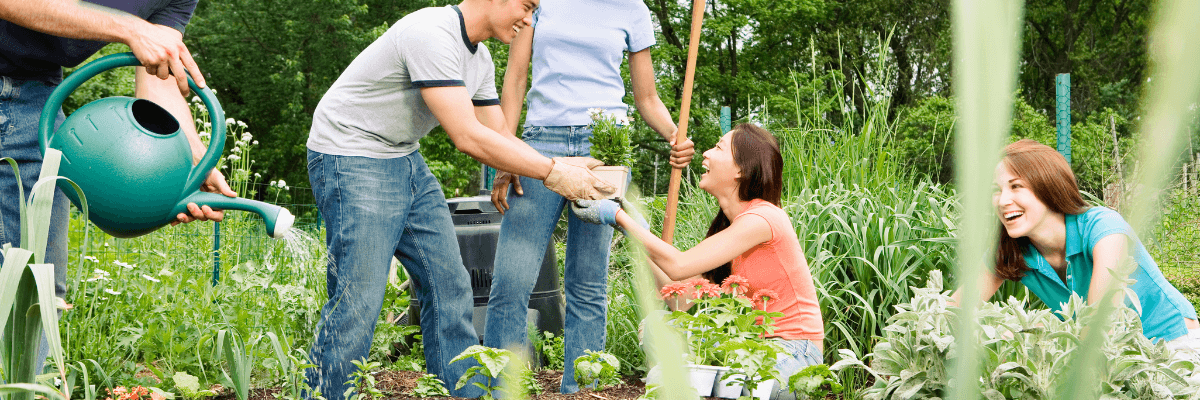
[814, 382]
[362, 383]
[491, 366]
[599, 368]
[429, 385]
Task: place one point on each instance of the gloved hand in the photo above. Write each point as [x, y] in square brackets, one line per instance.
[604, 212]
[596, 211]
[572, 178]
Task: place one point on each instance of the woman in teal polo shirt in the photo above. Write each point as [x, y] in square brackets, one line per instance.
[1054, 244]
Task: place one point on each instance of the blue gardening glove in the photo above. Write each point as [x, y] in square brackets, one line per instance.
[596, 211]
[604, 212]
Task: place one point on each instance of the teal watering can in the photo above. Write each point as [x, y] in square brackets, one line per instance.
[134, 163]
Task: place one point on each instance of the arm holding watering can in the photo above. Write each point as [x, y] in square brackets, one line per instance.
[159, 48]
[163, 93]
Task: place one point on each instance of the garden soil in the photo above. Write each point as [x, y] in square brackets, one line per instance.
[398, 385]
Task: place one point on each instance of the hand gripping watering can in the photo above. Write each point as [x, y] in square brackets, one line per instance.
[134, 163]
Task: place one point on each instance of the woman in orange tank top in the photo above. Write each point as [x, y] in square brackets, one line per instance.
[751, 236]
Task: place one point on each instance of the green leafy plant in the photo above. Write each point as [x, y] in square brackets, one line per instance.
[552, 350]
[189, 386]
[28, 307]
[362, 383]
[599, 368]
[1026, 352]
[611, 138]
[721, 314]
[429, 385]
[491, 366]
[752, 358]
[814, 382]
[231, 348]
[290, 367]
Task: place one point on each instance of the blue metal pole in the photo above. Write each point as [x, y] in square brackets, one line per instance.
[726, 120]
[216, 253]
[1062, 85]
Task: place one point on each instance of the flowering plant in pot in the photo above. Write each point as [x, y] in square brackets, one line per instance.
[752, 365]
[721, 314]
[611, 145]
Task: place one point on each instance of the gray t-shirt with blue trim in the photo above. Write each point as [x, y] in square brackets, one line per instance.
[375, 108]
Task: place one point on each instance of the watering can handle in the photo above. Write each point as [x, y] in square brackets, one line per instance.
[216, 144]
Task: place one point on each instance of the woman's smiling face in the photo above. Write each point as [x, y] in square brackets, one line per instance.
[1019, 209]
[720, 170]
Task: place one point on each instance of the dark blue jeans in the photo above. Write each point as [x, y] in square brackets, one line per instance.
[374, 209]
[21, 103]
[524, 235]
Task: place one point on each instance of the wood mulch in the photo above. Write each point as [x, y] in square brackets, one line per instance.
[399, 385]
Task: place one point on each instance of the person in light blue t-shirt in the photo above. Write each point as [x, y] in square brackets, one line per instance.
[1055, 245]
[576, 48]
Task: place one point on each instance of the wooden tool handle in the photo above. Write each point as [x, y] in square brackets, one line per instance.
[668, 232]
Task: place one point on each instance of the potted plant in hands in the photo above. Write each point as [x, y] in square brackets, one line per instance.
[721, 314]
[611, 145]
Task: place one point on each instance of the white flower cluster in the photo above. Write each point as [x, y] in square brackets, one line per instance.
[620, 118]
[279, 184]
[125, 265]
[100, 275]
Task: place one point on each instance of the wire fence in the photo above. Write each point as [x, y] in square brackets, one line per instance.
[206, 250]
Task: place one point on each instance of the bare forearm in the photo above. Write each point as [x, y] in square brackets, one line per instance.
[657, 116]
[512, 100]
[506, 154]
[164, 94]
[664, 256]
[70, 19]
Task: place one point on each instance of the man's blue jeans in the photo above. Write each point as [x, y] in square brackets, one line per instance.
[524, 235]
[21, 103]
[374, 209]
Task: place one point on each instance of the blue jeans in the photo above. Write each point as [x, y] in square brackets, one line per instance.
[374, 209]
[21, 103]
[796, 355]
[524, 235]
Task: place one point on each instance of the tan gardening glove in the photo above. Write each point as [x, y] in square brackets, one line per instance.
[572, 178]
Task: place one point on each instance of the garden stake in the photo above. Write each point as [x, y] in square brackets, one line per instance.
[668, 233]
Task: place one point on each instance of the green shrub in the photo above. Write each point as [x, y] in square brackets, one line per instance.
[1027, 352]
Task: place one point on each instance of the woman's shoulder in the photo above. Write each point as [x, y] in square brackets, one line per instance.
[1098, 222]
[770, 212]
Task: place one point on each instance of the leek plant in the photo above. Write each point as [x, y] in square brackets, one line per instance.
[28, 307]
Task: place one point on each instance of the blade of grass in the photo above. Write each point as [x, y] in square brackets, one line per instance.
[986, 34]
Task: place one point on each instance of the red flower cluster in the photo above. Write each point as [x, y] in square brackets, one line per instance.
[736, 285]
[674, 289]
[762, 296]
[134, 393]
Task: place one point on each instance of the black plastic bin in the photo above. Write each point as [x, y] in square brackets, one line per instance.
[477, 225]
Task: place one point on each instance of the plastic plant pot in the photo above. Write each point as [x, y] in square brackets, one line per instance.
[728, 385]
[618, 176]
[703, 378]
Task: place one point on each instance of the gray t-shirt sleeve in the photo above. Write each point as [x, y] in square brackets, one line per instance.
[176, 14]
[641, 30]
[431, 57]
[486, 95]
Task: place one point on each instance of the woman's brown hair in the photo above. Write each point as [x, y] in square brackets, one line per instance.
[1048, 175]
[756, 153]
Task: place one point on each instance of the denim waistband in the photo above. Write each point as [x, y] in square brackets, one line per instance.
[559, 141]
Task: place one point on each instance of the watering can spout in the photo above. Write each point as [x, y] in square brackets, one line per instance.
[278, 219]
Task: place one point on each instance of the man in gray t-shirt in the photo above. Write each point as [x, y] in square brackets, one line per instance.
[378, 197]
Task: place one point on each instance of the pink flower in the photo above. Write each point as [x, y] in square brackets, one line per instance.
[672, 290]
[696, 283]
[762, 296]
[736, 285]
[708, 289]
